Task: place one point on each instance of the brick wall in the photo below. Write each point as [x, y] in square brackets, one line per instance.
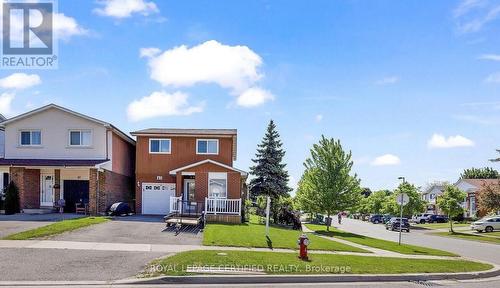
[28, 184]
[113, 187]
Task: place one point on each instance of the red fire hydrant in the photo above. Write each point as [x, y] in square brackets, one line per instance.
[303, 243]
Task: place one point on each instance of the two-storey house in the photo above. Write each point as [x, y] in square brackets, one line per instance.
[471, 187]
[54, 153]
[191, 165]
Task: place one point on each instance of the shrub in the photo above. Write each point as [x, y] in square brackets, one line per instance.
[11, 199]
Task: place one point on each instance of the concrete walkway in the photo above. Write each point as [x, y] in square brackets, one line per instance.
[128, 247]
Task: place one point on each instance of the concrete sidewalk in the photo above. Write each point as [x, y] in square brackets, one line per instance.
[164, 248]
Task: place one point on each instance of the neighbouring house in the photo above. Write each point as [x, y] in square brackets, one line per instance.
[193, 166]
[54, 153]
[430, 196]
[471, 186]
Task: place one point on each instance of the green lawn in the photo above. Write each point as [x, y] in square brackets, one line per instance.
[253, 235]
[56, 228]
[288, 263]
[377, 243]
[473, 237]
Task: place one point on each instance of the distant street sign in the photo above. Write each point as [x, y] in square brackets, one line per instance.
[403, 199]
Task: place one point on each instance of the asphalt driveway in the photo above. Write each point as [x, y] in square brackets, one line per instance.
[10, 224]
[70, 265]
[138, 229]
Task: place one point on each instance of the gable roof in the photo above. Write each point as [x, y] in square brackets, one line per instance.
[173, 172]
[178, 132]
[478, 182]
[54, 106]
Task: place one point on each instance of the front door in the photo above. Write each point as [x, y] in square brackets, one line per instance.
[47, 190]
[188, 199]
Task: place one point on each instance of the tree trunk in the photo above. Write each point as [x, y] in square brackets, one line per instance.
[451, 223]
[328, 224]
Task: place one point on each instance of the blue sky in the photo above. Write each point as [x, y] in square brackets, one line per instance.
[411, 87]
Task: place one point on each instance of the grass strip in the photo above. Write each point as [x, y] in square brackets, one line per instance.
[56, 228]
[288, 263]
[378, 243]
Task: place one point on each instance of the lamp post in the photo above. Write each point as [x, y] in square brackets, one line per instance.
[401, 210]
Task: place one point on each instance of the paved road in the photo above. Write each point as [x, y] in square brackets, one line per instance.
[477, 250]
[57, 265]
[133, 229]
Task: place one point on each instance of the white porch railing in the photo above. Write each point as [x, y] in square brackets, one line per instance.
[222, 206]
[175, 204]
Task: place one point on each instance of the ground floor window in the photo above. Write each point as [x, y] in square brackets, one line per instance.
[217, 185]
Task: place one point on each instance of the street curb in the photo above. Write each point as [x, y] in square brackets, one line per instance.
[268, 279]
[319, 278]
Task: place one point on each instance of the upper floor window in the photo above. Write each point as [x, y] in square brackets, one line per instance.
[207, 146]
[160, 146]
[30, 137]
[80, 138]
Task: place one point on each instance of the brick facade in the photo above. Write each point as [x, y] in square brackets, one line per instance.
[28, 184]
[107, 187]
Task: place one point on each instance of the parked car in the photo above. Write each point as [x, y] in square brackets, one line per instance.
[487, 224]
[436, 219]
[376, 218]
[386, 218]
[394, 223]
[420, 218]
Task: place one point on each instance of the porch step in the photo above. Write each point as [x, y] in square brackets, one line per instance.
[43, 210]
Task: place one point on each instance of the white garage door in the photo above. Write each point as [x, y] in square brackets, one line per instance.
[156, 198]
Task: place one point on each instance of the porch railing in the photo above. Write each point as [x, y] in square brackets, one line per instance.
[175, 204]
[222, 206]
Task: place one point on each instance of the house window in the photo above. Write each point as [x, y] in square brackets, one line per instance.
[217, 185]
[30, 138]
[207, 146]
[159, 146]
[80, 138]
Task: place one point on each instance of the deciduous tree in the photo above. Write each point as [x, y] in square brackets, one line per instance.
[488, 197]
[328, 172]
[450, 202]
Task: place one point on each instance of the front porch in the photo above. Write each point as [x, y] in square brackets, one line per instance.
[210, 190]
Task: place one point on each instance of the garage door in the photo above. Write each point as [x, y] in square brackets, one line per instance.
[156, 198]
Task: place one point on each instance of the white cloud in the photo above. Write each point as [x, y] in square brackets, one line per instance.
[234, 67]
[161, 104]
[20, 81]
[386, 160]
[231, 67]
[5, 103]
[440, 141]
[472, 15]
[253, 97]
[149, 52]
[492, 57]
[318, 118]
[65, 27]
[387, 80]
[125, 8]
[493, 78]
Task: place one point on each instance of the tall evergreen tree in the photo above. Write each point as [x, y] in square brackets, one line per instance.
[270, 175]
